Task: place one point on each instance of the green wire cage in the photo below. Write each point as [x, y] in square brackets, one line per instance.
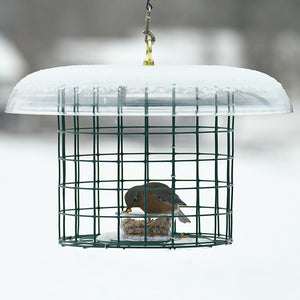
[123, 128]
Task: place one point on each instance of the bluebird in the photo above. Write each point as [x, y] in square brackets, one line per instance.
[159, 200]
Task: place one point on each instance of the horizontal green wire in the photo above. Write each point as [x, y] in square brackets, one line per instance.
[140, 133]
[114, 207]
[152, 126]
[67, 185]
[86, 241]
[143, 216]
[71, 158]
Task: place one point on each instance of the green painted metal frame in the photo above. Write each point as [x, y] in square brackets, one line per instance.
[197, 238]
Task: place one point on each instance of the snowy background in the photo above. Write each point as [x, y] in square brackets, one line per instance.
[263, 262]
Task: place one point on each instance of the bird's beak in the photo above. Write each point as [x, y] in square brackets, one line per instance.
[128, 209]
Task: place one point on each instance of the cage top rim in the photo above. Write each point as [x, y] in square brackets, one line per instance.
[112, 90]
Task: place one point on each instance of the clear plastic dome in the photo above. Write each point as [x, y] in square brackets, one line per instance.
[138, 90]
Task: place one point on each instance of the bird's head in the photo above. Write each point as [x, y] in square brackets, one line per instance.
[132, 198]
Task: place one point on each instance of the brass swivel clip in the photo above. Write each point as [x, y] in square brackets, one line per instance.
[149, 39]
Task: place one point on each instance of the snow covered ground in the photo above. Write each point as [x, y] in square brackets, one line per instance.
[262, 263]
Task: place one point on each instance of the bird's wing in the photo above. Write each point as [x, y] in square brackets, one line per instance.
[166, 195]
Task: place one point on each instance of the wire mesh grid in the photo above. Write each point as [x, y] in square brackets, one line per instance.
[101, 158]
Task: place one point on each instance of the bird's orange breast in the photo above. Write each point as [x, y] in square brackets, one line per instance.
[156, 206]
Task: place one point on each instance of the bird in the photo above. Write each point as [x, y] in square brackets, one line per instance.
[159, 200]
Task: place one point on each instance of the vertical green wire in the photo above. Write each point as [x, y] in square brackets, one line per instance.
[216, 217]
[228, 168]
[118, 178]
[98, 158]
[63, 127]
[173, 161]
[232, 155]
[78, 165]
[94, 170]
[121, 92]
[146, 162]
[75, 162]
[231, 179]
[122, 148]
[198, 221]
[59, 163]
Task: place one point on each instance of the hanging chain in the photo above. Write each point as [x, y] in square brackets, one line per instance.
[149, 36]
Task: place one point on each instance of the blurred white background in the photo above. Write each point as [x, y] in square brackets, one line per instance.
[263, 262]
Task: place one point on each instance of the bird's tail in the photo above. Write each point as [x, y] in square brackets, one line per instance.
[182, 218]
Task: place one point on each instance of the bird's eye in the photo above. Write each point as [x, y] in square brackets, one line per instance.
[134, 199]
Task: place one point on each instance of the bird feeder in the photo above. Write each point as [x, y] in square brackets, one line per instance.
[123, 128]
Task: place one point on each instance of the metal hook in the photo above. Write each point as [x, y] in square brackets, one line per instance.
[149, 36]
[149, 5]
[147, 32]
